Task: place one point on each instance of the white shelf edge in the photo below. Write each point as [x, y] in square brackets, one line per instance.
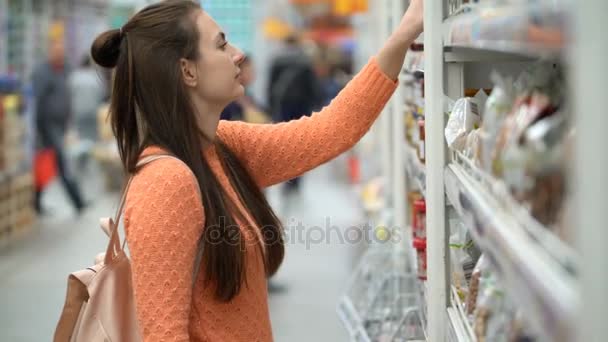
[546, 291]
[456, 325]
[458, 306]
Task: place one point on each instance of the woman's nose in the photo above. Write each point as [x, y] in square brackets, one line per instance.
[238, 57]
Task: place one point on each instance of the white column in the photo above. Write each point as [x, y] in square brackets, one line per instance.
[590, 73]
[435, 160]
[398, 139]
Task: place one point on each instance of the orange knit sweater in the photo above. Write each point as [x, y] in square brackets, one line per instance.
[164, 216]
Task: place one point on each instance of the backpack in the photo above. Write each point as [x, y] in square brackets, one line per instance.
[100, 305]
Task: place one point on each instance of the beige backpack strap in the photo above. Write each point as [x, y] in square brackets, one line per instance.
[110, 226]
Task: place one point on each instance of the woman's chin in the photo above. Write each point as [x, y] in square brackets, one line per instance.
[240, 90]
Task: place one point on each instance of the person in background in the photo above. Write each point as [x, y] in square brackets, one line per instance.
[245, 108]
[87, 84]
[53, 110]
[293, 88]
[328, 82]
[90, 89]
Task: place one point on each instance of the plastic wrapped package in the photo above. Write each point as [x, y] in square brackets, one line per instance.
[471, 147]
[474, 286]
[419, 227]
[500, 316]
[463, 119]
[565, 220]
[420, 246]
[462, 264]
[544, 143]
[498, 106]
[459, 280]
[540, 94]
[487, 323]
[481, 98]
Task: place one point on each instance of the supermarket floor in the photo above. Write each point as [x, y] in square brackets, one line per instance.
[33, 271]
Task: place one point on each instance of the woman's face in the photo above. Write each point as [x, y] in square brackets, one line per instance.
[214, 79]
[218, 64]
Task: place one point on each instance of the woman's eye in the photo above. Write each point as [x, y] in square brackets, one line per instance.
[223, 46]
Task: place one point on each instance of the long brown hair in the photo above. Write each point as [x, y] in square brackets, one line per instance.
[150, 106]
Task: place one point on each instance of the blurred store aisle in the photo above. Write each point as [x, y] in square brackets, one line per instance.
[33, 272]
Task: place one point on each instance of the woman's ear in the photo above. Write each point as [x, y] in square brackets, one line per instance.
[189, 73]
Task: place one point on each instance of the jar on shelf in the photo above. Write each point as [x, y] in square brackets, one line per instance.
[421, 143]
[420, 219]
[420, 246]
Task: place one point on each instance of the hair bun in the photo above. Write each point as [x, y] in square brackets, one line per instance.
[106, 48]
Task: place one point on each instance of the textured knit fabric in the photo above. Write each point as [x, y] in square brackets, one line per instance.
[164, 216]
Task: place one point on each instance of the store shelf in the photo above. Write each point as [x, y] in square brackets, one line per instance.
[507, 32]
[537, 269]
[459, 323]
[415, 169]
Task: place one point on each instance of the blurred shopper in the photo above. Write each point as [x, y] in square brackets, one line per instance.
[202, 237]
[89, 90]
[245, 108]
[328, 81]
[53, 110]
[293, 88]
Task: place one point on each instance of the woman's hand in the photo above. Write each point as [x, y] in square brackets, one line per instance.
[413, 17]
[390, 58]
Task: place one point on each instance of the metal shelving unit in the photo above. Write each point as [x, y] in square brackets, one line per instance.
[537, 270]
[559, 288]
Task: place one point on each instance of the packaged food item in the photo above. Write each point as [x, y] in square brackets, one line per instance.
[420, 246]
[462, 264]
[474, 285]
[488, 320]
[458, 276]
[422, 142]
[412, 197]
[471, 249]
[498, 106]
[530, 149]
[481, 97]
[471, 148]
[463, 119]
[500, 316]
[544, 143]
[420, 219]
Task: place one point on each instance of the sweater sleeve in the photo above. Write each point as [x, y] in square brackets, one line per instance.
[163, 222]
[273, 153]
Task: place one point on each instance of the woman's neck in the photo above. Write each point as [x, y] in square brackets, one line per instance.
[208, 120]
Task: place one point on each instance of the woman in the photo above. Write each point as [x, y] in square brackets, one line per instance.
[201, 235]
